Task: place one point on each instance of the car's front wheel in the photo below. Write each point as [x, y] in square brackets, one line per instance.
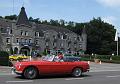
[30, 73]
[77, 72]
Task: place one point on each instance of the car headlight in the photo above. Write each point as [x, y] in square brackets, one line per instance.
[19, 66]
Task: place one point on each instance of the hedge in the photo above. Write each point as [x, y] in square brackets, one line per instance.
[4, 58]
[103, 58]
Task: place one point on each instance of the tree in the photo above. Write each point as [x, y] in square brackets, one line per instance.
[1, 17]
[54, 22]
[100, 37]
[11, 17]
[31, 19]
[11, 50]
[62, 22]
[15, 50]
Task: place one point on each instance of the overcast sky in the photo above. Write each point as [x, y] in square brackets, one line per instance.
[69, 10]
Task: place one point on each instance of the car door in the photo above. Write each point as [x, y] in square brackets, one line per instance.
[60, 67]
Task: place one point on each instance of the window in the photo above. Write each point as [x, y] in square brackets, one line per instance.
[58, 35]
[61, 44]
[3, 30]
[46, 44]
[8, 40]
[30, 40]
[22, 40]
[80, 46]
[54, 36]
[22, 33]
[69, 43]
[25, 40]
[26, 33]
[10, 31]
[37, 34]
[36, 42]
[54, 44]
[17, 40]
[64, 36]
[61, 36]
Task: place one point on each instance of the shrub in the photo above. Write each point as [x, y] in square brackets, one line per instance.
[4, 58]
[116, 58]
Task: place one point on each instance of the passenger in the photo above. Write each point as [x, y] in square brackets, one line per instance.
[60, 57]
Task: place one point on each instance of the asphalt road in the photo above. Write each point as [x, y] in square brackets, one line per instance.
[99, 74]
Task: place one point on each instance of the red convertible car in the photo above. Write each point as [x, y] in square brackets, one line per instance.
[51, 65]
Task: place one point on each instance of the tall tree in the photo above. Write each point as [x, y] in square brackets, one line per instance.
[11, 17]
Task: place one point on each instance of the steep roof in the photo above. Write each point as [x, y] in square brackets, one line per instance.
[22, 18]
[44, 27]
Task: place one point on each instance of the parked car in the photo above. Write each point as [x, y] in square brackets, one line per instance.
[51, 65]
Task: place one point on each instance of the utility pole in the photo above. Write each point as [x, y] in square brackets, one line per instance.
[117, 45]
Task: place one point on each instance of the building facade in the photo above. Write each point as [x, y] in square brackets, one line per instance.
[24, 37]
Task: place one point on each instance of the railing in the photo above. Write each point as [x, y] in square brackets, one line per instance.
[26, 44]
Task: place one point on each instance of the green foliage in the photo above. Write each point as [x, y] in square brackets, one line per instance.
[45, 52]
[1, 17]
[11, 51]
[100, 35]
[103, 58]
[15, 50]
[4, 58]
[11, 17]
[4, 54]
[116, 58]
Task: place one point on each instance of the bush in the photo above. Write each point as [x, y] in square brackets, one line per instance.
[4, 58]
[116, 58]
[103, 58]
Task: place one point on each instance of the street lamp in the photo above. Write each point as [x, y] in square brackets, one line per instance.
[116, 39]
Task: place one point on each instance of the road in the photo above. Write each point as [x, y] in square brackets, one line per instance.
[99, 74]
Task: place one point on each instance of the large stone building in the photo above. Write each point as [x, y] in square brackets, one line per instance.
[24, 37]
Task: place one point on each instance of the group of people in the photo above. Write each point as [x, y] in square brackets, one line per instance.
[59, 57]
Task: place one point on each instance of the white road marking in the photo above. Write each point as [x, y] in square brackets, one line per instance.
[102, 70]
[113, 76]
[19, 81]
[74, 78]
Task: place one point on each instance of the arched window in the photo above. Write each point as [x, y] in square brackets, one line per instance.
[15, 50]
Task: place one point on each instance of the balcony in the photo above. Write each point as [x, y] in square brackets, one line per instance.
[25, 44]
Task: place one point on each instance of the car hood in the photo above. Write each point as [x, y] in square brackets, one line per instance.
[31, 62]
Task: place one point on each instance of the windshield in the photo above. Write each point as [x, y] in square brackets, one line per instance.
[48, 58]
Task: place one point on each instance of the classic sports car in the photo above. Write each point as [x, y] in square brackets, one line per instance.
[51, 65]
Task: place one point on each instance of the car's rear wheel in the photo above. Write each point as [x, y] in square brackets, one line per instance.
[30, 73]
[77, 72]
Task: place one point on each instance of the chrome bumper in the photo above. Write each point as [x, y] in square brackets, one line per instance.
[15, 71]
